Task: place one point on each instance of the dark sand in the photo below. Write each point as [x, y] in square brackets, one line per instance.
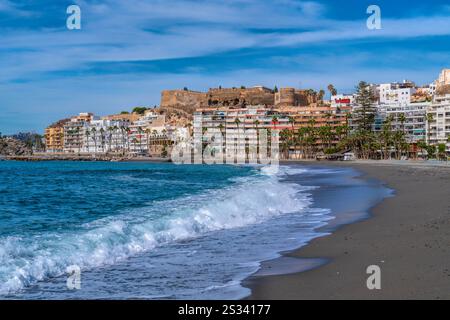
[408, 237]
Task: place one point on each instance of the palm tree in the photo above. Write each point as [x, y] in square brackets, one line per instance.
[310, 140]
[402, 120]
[386, 136]
[140, 133]
[147, 133]
[128, 131]
[332, 90]
[94, 135]
[110, 130]
[87, 133]
[134, 141]
[430, 118]
[422, 145]
[122, 134]
[115, 129]
[155, 134]
[102, 138]
[237, 122]
[301, 138]
[285, 146]
[77, 132]
[256, 124]
[321, 95]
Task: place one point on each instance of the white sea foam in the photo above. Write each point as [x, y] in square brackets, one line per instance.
[25, 261]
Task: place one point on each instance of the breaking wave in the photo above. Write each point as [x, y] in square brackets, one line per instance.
[250, 200]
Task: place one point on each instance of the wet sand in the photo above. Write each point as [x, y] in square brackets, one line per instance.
[407, 236]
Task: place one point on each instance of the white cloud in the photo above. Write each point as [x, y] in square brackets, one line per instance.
[132, 30]
[9, 7]
[119, 31]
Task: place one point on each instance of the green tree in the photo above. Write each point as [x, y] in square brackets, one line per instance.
[139, 110]
[110, 137]
[147, 134]
[140, 134]
[321, 94]
[332, 90]
[364, 114]
[94, 137]
[386, 137]
[430, 118]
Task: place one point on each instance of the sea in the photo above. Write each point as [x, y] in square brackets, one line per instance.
[160, 230]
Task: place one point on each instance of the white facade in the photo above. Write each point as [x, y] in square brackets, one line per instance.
[74, 132]
[438, 128]
[395, 94]
[414, 122]
[144, 129]
[102, 136]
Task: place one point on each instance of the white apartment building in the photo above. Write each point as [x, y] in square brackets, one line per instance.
[238, 127]
[74, 132]
[150, 126]
[409, 118]
[438, 128]
[102, 136]
[396, 93]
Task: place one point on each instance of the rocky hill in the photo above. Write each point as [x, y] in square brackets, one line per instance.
[13, 147]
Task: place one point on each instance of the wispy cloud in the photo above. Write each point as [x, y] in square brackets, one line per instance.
[203, 43]
[8, 7]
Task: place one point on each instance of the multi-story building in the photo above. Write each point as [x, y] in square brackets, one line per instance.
[409, 118]
[317, 116]
[102, 136]
[234, 123]
[251, 117]
[238, 127]
[444, 78]
[54, 137]
[144, 129]
[396, 93]
[74, 132]
[438, 126]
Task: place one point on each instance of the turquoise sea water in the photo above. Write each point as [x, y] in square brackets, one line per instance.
[141, 230]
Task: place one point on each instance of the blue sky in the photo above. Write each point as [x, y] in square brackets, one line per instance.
[128, 51]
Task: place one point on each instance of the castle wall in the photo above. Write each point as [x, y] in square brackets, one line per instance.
[218, 97]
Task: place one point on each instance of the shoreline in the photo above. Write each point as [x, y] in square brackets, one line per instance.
[402, 235]
[84, 158]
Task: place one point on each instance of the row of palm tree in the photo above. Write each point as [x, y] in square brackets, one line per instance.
[110, 136]
[310, 141]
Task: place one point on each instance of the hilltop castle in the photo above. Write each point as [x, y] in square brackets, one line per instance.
[189, 101]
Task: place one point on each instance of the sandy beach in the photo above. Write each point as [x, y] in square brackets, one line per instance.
[407, 236]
